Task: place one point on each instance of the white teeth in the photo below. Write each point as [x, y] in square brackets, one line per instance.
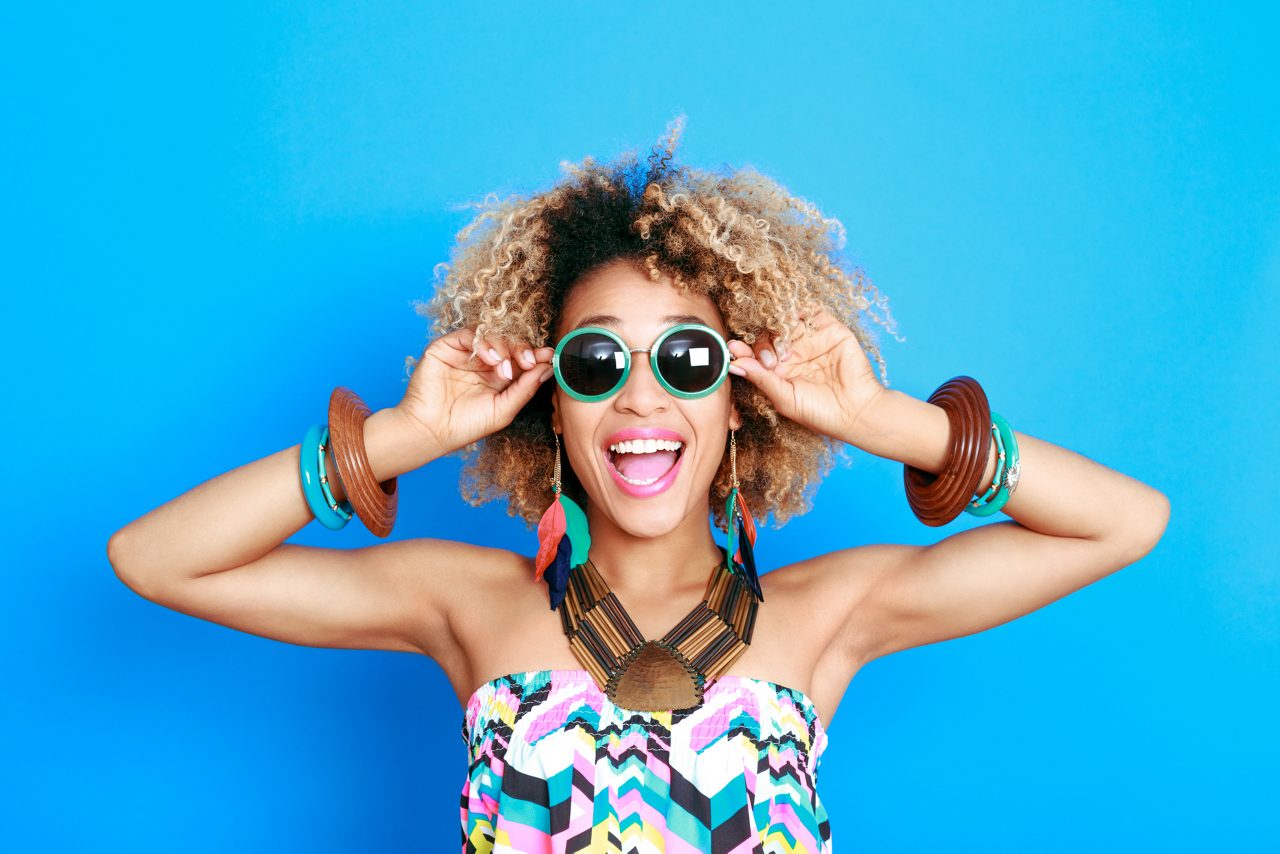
[645, 446]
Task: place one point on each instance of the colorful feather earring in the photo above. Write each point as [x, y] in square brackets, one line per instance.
[563, 538]
[742, 527]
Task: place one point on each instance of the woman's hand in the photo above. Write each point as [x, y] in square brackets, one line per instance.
[825, 382]
[459, 398]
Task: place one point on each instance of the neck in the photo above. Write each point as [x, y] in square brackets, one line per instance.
[638, 567]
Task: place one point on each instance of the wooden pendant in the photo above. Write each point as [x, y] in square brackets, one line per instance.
[666, 674]
[651, 677]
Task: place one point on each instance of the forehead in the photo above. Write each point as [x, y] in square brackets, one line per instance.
[623, 298]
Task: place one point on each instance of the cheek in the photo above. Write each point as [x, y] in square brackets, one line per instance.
[713, 414]
[577, 435]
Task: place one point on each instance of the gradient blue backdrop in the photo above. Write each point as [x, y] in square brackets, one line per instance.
[215, 213]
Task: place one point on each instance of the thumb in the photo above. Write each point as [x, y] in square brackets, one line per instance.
[519, 392]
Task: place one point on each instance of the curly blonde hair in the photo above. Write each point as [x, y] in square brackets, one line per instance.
[767, 259]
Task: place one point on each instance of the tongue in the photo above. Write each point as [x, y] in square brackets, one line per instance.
[645, 466]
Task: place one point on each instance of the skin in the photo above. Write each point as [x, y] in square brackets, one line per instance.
[645, 548]
[479, 612]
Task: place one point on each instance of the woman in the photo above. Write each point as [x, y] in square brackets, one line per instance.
[674, 699]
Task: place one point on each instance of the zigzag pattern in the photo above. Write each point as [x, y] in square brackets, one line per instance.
[556, 767]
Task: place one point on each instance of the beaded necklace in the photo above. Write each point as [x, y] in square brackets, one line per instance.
[665, 674]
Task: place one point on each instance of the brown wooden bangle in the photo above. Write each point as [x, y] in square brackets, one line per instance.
[940, 498]
[937, 499]
[929, 494]
[970, 402]
[934, 497]
[375, 503]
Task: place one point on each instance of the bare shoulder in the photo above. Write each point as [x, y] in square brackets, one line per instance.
[833, 593]
[494, 612]
[459, 574]
[451, 579]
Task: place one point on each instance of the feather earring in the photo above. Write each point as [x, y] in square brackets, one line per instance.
[563, 538]
[742, 526]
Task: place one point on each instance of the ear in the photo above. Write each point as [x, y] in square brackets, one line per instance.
[555, 410]
[735, 420]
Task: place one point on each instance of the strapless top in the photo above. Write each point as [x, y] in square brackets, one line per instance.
[555, 766]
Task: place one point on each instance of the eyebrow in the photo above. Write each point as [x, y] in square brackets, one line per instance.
[612, 320]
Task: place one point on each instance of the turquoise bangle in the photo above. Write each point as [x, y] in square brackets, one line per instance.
[1013, 470]
[999, 472]
[1009, 482]
[344, 509]
[309, 465]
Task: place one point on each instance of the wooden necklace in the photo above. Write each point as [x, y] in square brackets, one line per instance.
[670, 673]
[658, 675]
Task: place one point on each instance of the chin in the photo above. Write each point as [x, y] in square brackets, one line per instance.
[646, 519]
[652, 527]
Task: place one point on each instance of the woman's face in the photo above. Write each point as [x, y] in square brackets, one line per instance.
[623, 299]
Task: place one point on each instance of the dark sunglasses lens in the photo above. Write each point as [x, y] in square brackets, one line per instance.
[591, 363]
[691, 360]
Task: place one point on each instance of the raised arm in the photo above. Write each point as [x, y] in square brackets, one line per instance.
[217, 552]
[1073, 522]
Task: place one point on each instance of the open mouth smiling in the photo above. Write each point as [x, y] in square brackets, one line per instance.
[644, 461]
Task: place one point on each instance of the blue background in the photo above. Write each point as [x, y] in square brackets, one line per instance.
[213, 214]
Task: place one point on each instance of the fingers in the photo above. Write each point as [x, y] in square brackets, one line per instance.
[499, 361]
[519, 358]
[499, 354]
[760, 366]
[531, 368]
[506, 360]
[761, 353]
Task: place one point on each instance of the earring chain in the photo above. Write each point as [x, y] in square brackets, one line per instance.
[555, 477]
[733, 458]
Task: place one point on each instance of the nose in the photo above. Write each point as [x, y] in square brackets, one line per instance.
[641, 394]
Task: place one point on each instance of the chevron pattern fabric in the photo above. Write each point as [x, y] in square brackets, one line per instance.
[556, 767]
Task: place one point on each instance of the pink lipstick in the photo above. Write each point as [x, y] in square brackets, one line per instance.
[645, 450]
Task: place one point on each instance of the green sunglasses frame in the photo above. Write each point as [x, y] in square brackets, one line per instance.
[653, 361]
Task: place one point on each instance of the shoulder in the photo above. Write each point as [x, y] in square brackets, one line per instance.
[453, 567]
[835, 593]
[854, 568]
[453, 578]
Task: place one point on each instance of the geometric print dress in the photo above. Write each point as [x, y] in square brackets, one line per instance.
[555, 766]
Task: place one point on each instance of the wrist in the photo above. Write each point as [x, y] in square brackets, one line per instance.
[905, 429]
[914, 432]
[394, 443]
[403, 442]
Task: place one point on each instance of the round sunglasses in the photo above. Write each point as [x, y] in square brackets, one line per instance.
[690, 360]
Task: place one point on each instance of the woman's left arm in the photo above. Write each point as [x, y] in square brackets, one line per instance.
[1073, 521]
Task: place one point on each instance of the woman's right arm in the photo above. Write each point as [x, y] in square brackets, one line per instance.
[217, 552]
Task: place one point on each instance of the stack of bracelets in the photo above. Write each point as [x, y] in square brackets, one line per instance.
[937, 499]
[375, 503]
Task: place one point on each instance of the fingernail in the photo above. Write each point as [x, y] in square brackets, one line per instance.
[527, 357]
[545, 374]
[783, 355]
[734, 369]
[767, 357]
[493, 354]
[505, 368]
